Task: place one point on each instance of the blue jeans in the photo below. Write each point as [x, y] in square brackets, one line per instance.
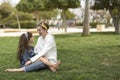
[37, 65]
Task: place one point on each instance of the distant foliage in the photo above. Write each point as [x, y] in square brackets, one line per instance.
[5, 9]
[113, 6]
[24, 24]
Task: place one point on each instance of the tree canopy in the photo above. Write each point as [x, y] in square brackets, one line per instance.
[108, 4]
[48, 5]
[37, 7]
[62, 4]
[5, 10]
[31, 5]
[114, 9]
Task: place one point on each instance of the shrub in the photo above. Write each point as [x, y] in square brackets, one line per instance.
[93, 24]
[79, 24]
[24, 24]
[25, 16]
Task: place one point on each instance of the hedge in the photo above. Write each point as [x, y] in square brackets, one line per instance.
[92, 24]
[24, 24]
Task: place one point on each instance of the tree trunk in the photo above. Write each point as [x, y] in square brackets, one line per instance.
[4, 26]
[37, 16]
[116, 21]
[64, 21]
[86, 19]
[18, 21]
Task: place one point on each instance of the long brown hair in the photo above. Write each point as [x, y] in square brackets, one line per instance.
[23, 44]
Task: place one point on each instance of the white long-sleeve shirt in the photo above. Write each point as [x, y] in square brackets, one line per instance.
[46, 47]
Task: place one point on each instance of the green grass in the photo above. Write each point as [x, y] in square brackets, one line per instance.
[96, 57]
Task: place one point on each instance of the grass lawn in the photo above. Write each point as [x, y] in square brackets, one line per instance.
[96, 57]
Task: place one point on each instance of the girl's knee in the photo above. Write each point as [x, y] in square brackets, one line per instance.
[41, 59]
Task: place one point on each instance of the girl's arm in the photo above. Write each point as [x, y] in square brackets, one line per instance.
[26, 56]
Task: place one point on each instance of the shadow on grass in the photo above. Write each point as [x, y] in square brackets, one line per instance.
[108, 47]
[80, 34]
[103, 33]
[68, 35]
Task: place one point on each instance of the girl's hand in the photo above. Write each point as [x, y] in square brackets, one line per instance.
[28, 62]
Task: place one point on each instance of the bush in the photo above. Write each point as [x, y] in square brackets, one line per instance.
[93, 24]
[25, 16]
[79, 24]
[24, 24]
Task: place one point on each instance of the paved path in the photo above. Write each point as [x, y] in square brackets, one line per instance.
[16, 32]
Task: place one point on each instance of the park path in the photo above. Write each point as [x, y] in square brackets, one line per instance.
[16, 32]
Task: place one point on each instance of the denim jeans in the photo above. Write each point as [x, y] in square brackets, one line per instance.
[37, 65]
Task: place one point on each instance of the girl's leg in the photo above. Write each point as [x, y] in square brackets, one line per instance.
[53, 67]
[32, 67]
[37, 65]
[45, 61]
[15, 70]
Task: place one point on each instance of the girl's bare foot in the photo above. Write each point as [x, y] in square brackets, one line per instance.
[58, 64]
[55, 67]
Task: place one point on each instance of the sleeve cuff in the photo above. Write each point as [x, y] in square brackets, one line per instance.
[32, 59]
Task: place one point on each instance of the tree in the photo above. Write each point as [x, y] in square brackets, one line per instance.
[5, 11]
[31, 6]
[69, 15]
[0, 18]
[21, 16]
[86, 31]
[16, 12]
[113, 6]
[63, 5]
[41, 5]
[48, 14]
